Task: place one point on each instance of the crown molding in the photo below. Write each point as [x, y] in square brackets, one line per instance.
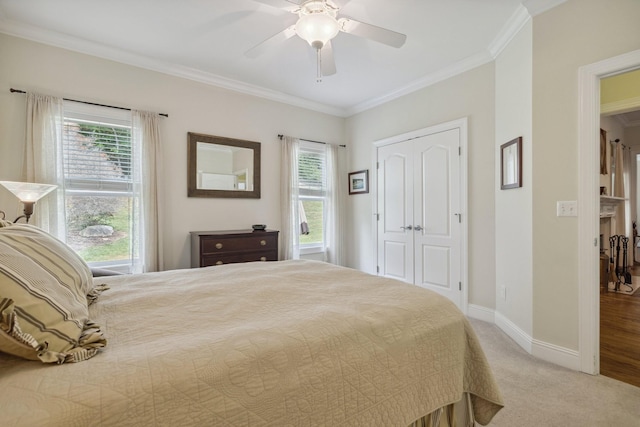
[536, 7]
[506, 34]
[512, 27]
[622, 106]
[618, 108]
[74, 44]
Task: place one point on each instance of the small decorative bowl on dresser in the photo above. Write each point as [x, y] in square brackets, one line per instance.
[233, 246]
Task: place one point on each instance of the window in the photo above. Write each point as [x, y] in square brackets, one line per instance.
[312, 181]
[100, 203]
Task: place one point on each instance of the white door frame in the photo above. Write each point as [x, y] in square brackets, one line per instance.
[454, 124]
[589, 202]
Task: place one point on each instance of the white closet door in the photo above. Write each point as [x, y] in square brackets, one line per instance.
[419, 195]
[437, 230]
[395, 207]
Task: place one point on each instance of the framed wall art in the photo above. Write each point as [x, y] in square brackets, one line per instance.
[359, 182]
[511, 164]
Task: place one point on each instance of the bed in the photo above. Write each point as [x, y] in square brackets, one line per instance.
[287, 343]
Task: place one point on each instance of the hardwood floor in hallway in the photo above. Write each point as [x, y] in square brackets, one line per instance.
[620, 335]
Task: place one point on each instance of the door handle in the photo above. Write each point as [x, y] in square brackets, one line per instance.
[417, 228]
[408, 227]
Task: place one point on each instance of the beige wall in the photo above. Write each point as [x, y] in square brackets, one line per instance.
[513, 210]
[192, 107]
[467, 95]
[576, 33]
[632, 135]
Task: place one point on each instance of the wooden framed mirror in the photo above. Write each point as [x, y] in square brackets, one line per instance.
[222, 167]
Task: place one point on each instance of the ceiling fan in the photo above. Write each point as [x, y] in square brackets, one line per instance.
[318, 24]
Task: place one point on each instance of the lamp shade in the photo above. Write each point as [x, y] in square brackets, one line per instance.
[28, 191]
[317, 28]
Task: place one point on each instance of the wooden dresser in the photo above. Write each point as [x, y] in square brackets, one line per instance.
[231, 246]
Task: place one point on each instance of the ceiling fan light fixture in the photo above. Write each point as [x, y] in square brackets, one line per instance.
[317, 24]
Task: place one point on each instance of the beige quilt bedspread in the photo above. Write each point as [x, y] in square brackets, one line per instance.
[292, 343]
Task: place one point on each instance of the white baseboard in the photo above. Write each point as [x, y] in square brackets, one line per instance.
[523, 339]
[542, 350]
[481, 313]
[555, 354]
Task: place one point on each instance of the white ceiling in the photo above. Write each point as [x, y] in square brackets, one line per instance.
[629, 118]
[205, 40]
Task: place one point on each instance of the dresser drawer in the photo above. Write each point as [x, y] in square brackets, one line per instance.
[257, 241]
[229, 258]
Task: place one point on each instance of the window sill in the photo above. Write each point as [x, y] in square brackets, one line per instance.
[312, 250]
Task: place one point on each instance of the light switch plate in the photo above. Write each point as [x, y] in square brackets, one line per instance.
[568, 208]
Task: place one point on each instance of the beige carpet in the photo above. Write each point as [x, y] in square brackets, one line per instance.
[625, 289]
[541, 394]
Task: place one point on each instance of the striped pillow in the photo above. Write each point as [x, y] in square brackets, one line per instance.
[44, 288]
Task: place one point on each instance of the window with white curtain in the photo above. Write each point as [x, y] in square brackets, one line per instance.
[312, 184]
[100, 202]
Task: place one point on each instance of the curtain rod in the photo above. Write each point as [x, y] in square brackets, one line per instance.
[616, 141]
[12, 90]
[280, 136]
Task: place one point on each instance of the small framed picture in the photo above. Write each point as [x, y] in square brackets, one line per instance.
[511, 164]
[359, 182]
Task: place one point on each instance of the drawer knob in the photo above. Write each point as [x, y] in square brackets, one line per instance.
[263, 242]
[263, 258]
[218, 262]
[218, 245]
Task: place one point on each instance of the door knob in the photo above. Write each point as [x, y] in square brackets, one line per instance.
[417, 228]
[408, 227]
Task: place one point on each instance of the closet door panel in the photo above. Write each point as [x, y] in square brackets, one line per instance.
[437, 256]
[437, 262]
[395, 210]
[435, 213]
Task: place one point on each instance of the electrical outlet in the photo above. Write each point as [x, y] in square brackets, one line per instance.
[503, 292]
[569, 208]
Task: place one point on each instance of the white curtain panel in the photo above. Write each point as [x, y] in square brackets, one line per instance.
[290, 233]
[619, 186]
[43, 161]
[334, 227]
[147, 172]
[628, 223]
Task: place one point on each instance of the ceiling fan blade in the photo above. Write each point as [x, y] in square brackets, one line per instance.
[327, 61]
[379, 34]
[271, 42]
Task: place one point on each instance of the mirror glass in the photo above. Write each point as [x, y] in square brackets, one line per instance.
[223, 167]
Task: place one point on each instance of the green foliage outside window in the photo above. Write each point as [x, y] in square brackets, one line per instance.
[114, 141]
[314, 211]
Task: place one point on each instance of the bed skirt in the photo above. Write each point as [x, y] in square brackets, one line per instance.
[458, 414]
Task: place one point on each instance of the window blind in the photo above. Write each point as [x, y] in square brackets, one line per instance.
[311, 172]
[96, 151]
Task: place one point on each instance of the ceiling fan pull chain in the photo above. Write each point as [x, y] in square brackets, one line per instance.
[319, 63]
